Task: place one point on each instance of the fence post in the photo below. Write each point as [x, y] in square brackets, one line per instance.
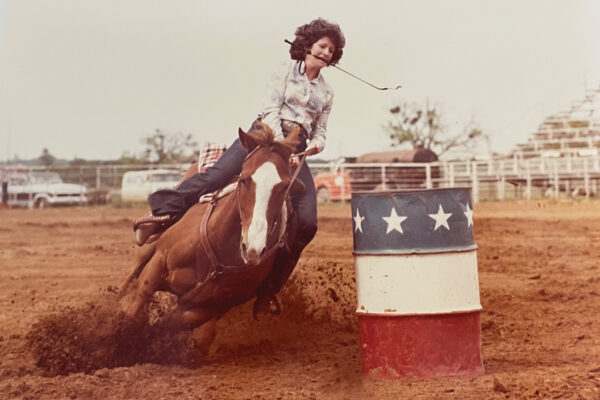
[475, 183]
[5, 192]
[556, 181]
[343, 184]
[542, 165]
[501, 184]
[586, 178]
[97, 177]
[451, 175]
[383, 185]
[528, 180]
[428, 184]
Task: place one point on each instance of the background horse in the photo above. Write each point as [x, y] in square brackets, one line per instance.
[217, 254]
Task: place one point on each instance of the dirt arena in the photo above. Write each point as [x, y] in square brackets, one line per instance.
[539, 274]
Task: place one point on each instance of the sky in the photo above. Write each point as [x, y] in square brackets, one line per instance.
[90, 79]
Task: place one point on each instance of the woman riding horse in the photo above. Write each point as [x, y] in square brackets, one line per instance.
[297, 98]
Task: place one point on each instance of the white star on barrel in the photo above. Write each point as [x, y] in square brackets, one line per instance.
[394, 222]
[441, 218]
[469, 215]
[358, 222]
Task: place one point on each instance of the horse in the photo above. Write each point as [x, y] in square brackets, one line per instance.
[216, 256]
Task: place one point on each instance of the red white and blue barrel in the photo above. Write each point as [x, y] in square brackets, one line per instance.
[417, 283]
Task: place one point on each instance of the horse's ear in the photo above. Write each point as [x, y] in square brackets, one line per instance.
[297, 188]
[247, 140]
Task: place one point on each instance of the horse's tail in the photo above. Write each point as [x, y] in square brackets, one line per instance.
[144, 255]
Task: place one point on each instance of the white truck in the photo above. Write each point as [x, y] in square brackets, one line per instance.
[40, 189]
[137, 185]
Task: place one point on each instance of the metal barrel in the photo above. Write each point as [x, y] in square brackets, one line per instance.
[417, 283]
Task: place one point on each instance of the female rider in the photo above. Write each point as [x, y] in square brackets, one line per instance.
[297, 97]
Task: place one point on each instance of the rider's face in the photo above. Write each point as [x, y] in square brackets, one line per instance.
[322, 48]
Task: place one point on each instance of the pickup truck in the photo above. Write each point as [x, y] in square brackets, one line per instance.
[40, 189]
[137, 185]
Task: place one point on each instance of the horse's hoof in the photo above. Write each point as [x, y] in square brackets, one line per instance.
[267, 304]
[274, 305]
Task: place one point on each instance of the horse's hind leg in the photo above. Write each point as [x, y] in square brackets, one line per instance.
[143, 255]
[148, 282]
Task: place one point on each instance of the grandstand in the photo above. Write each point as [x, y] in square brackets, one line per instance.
[575, 132]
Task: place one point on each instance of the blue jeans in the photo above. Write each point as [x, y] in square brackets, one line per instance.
[177, 201]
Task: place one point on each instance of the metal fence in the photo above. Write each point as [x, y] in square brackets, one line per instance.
[495, 179]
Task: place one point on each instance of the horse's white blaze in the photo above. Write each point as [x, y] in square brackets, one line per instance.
[265, 178]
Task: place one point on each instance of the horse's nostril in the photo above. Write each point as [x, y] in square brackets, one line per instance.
[244, 248]
[262, 253]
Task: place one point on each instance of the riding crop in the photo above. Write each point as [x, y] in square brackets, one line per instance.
[343, 70]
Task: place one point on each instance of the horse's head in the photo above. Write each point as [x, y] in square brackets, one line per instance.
[262, 188]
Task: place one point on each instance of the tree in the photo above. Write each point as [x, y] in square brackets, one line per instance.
[129, 158]
[169, 148]
[46, 158]
[422, 126]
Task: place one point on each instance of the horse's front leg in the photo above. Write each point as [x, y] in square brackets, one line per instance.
[188, 318]
[204, 335]
[203, 321]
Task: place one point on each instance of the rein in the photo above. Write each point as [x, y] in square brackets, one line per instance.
[217, 269]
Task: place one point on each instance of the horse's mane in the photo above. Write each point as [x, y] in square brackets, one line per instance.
[264, 136]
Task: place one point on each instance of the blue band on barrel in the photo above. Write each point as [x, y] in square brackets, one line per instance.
[413, 221]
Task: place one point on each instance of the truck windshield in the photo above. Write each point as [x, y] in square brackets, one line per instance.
[45, 177]
[168, 177]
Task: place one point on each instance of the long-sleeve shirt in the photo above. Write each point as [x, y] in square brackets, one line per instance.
[290, 95]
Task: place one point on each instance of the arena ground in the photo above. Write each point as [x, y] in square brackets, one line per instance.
[540, 289]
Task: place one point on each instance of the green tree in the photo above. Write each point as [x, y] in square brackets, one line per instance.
[422, 126]
[129, 158]
[46, 158]
[169, 148]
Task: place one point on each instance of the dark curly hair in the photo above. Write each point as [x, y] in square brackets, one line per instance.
[308, 34]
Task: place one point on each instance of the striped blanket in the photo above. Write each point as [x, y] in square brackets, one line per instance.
[210, 154]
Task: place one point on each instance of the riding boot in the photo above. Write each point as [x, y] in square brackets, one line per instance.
[150, 225]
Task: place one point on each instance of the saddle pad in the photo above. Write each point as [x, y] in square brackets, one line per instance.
[210, 154]
[224, 192]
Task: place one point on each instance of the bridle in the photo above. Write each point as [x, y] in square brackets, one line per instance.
[281, 242]
[218, 269]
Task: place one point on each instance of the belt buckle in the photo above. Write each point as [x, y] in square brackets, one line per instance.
[291, 125]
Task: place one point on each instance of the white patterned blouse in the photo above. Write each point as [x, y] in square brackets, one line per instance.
[291, 96]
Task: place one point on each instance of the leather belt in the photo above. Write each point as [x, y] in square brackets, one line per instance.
[289, 126]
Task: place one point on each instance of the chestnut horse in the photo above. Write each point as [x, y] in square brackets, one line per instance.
[217, 254]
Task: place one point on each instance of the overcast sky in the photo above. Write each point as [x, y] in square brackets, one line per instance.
[89, 79]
